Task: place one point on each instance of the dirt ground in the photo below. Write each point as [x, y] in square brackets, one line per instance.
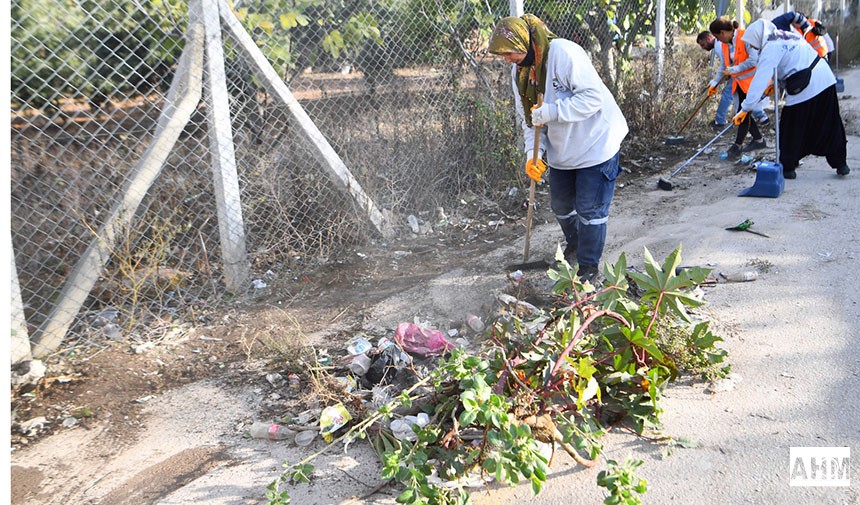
[167, 425]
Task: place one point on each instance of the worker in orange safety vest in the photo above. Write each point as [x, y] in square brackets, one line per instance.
[742, 70]
[811, 30]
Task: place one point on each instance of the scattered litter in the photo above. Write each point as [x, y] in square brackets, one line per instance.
[380, 395]
[441, 218]
[385, 365]
[475, 323]
[112, 332]
[332, 419]
[259, 284]
[69, 422]
[271, 431]
[516, 276]
[210, 339]
[144, 399]
[743, 276]
[142, 348]
[360, 364]
[304, 438]
[402, 428]
[348, 383]
[358, 345]
[496, 223]
[787, 375]
[384, 343]
[28, 372]
[421, 341]
[33, 426]
[294, 381]
[275, 379]
[413, 223]
[305, 417]
[519, 307]
[723, 385]
[453, 332]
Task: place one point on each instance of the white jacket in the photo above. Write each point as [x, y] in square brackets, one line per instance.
[589, 127]
[788, 54]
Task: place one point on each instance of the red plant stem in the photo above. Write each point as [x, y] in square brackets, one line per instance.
[578, 335]
[654, 315]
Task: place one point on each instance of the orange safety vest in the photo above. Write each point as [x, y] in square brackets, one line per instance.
[744, 78]
[816, 41]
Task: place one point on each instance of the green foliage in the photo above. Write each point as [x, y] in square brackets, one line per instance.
[622, 482]
[593, 361]
[92, 48]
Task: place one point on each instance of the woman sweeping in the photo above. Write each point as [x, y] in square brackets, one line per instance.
[743, 65]
[582, 136]
[810, 122]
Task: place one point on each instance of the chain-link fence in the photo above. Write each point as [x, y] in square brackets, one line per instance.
[403, 93]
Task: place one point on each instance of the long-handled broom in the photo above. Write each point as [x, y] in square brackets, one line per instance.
[665, 182]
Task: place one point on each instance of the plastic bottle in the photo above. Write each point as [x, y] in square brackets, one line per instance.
[747, 276]
[360, 364]
[271, 431]
[475, 323]
[724, 155]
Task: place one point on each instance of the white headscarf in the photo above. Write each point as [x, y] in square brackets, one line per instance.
[762, 31]
[757, 33]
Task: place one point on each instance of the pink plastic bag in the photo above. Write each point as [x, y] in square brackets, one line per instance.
[421, 341]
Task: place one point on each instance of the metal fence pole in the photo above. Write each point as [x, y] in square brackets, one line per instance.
[276, 86]
[222, 154]
[660, 40]
[20, 347]
[79, 284]
[516, 7]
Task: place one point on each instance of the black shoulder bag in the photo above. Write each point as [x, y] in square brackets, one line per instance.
[798, 81]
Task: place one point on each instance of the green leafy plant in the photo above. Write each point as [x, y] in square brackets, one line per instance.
[566, 375]
[622, 482]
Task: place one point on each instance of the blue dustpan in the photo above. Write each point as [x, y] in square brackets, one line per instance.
[769, 181]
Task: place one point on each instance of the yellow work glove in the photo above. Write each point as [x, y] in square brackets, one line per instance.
[535, 170]
[712, 90]
[740, 117]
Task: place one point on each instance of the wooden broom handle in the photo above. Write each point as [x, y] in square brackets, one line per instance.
[535, 158]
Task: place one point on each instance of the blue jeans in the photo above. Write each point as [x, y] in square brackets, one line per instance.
[725, 102]
[580, 200]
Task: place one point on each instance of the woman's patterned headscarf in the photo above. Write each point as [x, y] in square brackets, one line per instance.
[518, 35]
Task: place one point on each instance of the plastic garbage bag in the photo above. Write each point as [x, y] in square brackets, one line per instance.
[421, 341]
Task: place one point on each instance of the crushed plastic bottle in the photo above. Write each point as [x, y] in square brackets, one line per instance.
[271, 431]
[744, 276]
[413, 223]
[402, 428]
[360, 364]
[724, 155]
[475, 323]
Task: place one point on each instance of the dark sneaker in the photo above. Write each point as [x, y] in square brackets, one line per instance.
[734, 152]
[588, 273]
[570, 254]
[755, 145]
[789, 174]
[843, 171]
[717, 127]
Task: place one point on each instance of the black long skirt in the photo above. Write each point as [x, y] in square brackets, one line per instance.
[812, 127]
